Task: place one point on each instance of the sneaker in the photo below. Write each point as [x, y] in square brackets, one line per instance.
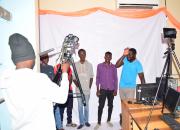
[80, 126]
[110, 124]
[87, 124]
[71, 125]
[60, 129]
[97, 127]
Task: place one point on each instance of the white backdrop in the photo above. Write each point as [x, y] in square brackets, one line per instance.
[100, 32]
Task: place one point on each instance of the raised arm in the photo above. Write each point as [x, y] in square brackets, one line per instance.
[119, 62]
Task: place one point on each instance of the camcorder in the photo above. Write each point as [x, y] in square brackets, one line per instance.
[169, 32]
[68, 48]
[170, 35]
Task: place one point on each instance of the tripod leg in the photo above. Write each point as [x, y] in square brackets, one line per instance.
[78, 81]
[165, 68]
[176, 59]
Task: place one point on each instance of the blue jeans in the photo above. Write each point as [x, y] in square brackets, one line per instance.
[83, 110]
[57, 117]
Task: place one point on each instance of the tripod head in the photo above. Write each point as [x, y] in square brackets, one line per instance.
[69, 46]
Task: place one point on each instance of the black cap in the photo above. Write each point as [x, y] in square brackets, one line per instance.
[21, 48]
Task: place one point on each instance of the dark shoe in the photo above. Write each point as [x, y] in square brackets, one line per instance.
[71, 125]
[87, 124]
[80, 126]
[120, 121]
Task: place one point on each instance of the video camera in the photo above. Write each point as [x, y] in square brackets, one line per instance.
[170, 35]
[68, 48]
[169, 32]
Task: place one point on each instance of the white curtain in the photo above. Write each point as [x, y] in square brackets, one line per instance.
[100, 32]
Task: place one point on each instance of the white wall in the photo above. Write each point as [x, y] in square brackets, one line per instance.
[23, 21]
[100, 32]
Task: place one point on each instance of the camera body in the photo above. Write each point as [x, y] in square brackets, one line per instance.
[169, 32]
[68, 48]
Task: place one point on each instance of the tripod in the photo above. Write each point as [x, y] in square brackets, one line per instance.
[57, 78]
[166, 68]
[78, 81]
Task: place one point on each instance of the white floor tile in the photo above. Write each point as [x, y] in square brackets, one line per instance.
[104, 126]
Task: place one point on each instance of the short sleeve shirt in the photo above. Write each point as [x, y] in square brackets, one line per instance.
[129, 73]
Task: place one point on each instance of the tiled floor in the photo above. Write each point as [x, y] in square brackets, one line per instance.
[104, 126]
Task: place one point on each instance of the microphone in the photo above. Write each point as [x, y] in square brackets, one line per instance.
[139, 94]
[1, 100]
[138, 99]
[46, 52]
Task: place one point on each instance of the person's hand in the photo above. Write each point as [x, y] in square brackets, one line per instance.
[114, 93]
[65, 67]
[98, 93]
[126, 51]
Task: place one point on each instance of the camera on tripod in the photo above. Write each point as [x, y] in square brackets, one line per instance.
[170, 35]
[68, 48]
[169, 32]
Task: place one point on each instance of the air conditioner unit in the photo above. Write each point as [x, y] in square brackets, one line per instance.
[137, 4]
[5, 14]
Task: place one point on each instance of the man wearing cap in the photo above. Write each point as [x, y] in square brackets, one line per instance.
[29, 95]
[45, 67]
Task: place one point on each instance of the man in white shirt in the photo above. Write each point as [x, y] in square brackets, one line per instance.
[29, 95]
[85, 73]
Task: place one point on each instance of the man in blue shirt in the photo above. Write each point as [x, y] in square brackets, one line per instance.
[131, 69]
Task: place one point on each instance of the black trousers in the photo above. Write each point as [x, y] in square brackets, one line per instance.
[102, 98]
[69, 106]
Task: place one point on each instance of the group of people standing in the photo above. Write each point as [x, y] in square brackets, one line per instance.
[106, 83]
[85, 74]
[32, 103]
